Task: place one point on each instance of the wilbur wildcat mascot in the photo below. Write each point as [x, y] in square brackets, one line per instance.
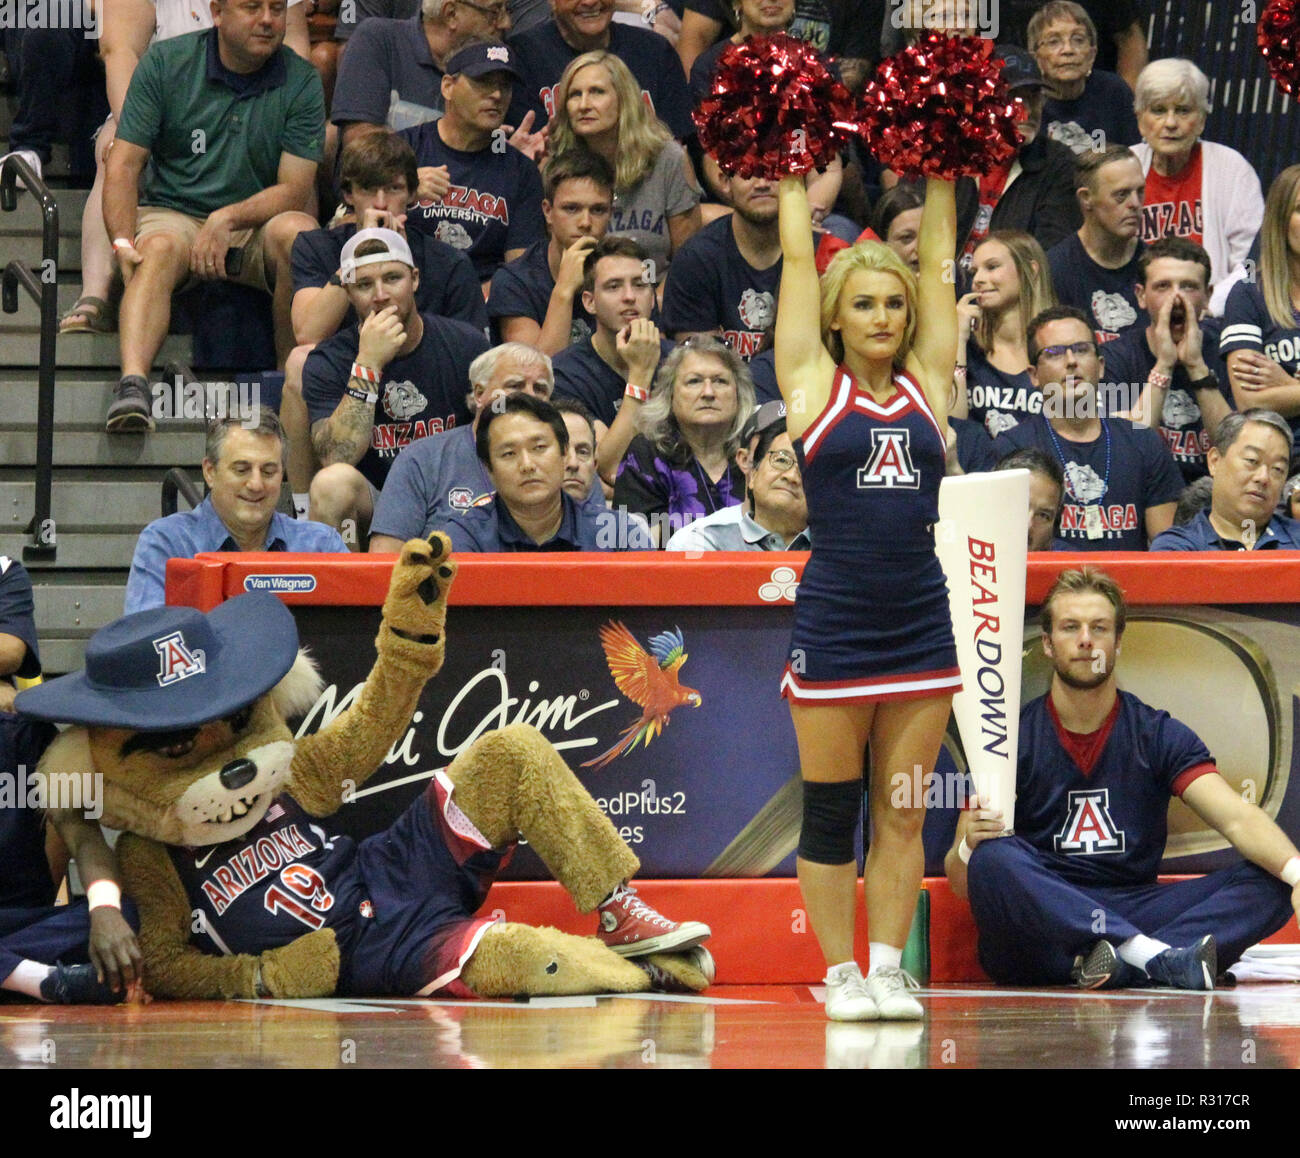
[242, 888]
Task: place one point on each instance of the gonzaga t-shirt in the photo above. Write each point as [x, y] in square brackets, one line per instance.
[1107, 296]
[494, 203]
[421, 393]
[998, 400]
[1247, 325]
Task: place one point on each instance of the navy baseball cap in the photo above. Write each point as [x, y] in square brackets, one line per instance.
[483, 58]
[173, 667]
[1019, 67]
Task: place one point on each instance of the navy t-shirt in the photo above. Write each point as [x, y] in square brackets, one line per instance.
[998, 400]
[448, 285]
[388, 76]
[421, 393]
[1107, 296]
[542, 55]
[974, 446]
[839, 27]
[711, 286]
[581, 373]
[522, 289]
[1247, 325]
[1122, 474]
[1128, 362]
[18, 613]
[762, 368]
[1105, 106]
[24, 872]
[1108, 826]
[494, 203]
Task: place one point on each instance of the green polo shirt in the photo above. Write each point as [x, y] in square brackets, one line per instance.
[214, 137]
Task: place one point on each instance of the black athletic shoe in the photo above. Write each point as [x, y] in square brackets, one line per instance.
[1102, 968]
[78, 985]
[1193, 967]
[129, 412]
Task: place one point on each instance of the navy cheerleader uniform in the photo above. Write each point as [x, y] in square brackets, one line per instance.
[871, 613]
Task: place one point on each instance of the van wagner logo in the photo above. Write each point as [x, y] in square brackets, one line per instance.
[648, 679]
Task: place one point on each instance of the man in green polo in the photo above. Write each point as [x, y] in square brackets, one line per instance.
[233, 124]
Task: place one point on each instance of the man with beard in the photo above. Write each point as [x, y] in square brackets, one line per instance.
[1096, 770]
[724, 281]
[1121, 485]
[373, 388]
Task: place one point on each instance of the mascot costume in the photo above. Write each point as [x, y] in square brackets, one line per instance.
[242, 890]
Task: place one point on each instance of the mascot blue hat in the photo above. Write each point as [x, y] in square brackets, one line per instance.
[173, 667]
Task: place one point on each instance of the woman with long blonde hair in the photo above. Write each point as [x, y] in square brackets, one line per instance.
[1010, 283]
[1260, 340]
[599, 107]
[872, 661]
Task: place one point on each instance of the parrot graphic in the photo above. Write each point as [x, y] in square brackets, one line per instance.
[648, 679]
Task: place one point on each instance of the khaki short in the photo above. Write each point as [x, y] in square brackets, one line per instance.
[152, 219]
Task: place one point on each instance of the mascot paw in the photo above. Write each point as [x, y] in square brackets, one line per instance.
[689, 972]
[520, 959]
[416, 607]
[307, 967]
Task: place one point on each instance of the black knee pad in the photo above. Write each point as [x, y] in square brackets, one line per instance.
[830, 821]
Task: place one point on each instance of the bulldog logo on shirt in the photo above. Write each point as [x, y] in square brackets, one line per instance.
[403, 401]
[1112, 311]
[995, 422]
[1083, 484]
[1180, 409]
[757, 309]
[453, 234]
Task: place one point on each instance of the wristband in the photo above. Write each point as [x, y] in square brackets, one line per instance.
[636, 393]
[963, 851]
[1209, 382]
[120, 243]
[1160, 381]
[1291, 871]
[103, 894]
[365, 373]
[959, 371]
[360, 395]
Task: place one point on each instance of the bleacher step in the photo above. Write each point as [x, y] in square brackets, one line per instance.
[105, 505]
[78, 549]
[77, 609]
[21, 346]
[92, 447]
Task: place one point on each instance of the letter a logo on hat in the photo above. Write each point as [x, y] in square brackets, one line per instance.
[178, 661]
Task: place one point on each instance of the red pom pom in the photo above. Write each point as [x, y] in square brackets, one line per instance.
[1279, 42]
[774, 108]
[941, 108]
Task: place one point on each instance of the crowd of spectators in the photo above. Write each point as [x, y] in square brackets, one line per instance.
[513, 300]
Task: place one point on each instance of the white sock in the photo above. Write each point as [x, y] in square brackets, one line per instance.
[1137, 951]
[884, 956]
[842, 968]
[27, 978]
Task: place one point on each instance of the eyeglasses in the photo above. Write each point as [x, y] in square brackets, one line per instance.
[496, 11]
[1076, 40]
[780, 460]
[1078, 349]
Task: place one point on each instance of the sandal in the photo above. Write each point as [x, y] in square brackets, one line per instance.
[94, 317]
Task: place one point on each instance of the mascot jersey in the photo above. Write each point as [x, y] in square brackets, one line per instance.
[283, 879]
[1095, 806]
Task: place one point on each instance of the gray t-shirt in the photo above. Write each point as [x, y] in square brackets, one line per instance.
[642, 212]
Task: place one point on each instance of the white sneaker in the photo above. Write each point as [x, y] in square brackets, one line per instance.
[847, 998]
[32, 159]
[888, 988]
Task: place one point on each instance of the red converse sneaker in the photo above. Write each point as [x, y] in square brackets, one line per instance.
[632, 928]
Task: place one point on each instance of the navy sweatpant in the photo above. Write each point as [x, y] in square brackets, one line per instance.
[51, 935]
[1032, 924]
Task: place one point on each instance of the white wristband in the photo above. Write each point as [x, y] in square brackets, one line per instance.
[122, 243]
[1291, 871]
[103, 893]
[963, 851]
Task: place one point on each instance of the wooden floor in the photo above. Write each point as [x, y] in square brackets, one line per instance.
[1250, 1028]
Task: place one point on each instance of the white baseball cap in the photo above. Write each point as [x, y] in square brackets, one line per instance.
[396, 249]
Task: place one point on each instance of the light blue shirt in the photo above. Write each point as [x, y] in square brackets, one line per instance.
[187, 533]
[731, 529]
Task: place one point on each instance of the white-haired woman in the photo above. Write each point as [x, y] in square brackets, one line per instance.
[682, 465]
[1205, 192]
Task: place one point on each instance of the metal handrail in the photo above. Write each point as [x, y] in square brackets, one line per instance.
[42, 285]
[177, 482]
